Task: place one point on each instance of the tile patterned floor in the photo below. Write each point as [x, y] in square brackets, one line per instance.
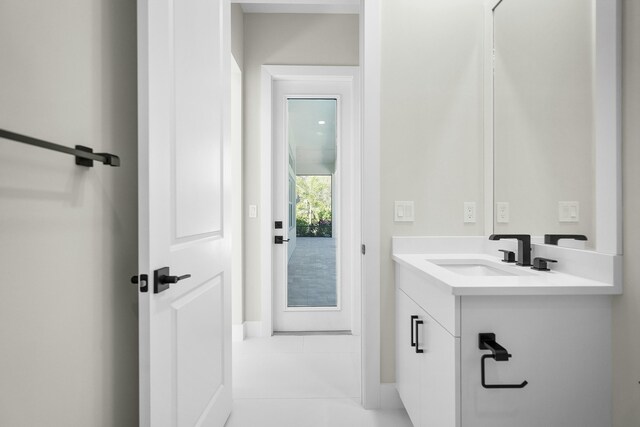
[312, 273]
[302, 381]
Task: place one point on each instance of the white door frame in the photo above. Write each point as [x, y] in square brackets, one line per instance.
[370, 45]
[270, 74]
[342, 84]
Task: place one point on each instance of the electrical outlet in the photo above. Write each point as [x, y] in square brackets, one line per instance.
[469, 212]
[502, 212]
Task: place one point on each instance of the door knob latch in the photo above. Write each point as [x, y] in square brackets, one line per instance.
[142, 280]
[162, 279]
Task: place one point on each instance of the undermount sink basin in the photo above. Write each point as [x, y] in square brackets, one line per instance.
[478, 268]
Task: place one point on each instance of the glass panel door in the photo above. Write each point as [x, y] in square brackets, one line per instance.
[312, 263]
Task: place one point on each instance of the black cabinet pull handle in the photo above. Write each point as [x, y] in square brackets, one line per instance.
[418, 323]
[413, 317]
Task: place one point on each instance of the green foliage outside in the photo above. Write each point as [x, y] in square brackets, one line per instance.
[313, 207]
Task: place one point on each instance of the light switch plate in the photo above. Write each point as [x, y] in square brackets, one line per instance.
[502, 212]
[253, 211]
[569, 211]
[470, 212]
[403, 211]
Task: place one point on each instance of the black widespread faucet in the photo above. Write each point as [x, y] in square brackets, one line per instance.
[552, 239]
[524, 246]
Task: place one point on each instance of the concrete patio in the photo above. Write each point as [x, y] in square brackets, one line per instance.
[312, 273]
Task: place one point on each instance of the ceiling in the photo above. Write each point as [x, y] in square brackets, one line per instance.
[312, 132]
[300, 6]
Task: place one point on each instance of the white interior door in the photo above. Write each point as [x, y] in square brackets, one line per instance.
[289, 161]
[184, 327]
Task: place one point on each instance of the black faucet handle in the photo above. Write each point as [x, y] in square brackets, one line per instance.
[509, 256]
[540, 263]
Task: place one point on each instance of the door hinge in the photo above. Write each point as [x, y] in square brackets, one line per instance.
[363, 249]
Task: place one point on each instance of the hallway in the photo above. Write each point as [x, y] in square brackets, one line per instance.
[302, 381]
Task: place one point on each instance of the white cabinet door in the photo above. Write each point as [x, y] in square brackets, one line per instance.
[438, 374]
[427, 366]
[561, 345]
[407, 361]
[184, 325]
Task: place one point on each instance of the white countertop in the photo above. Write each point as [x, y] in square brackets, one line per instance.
[525, 280]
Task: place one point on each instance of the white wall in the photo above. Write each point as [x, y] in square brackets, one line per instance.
[68, 235]
[281, 39]
[237, 254]
[237, 34]
[626, 338]
[431, 129]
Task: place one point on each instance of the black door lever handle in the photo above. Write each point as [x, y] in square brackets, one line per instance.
[162, 279]
[173, 279]
[280, 240]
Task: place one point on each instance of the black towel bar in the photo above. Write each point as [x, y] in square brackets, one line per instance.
[84, 155]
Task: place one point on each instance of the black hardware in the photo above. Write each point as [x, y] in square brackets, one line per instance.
[418, 323]
[363, 249]
[413, 317]
[487, 341]
[162, 279]
[508, 256]
[280, 240]
[482, 377]
[84, 155]
[540, 263]
[524, 246]
[278, 224]
[552, 239]
[144, 282]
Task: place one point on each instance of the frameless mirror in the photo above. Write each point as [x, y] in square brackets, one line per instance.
[551, 136]
[544, 132]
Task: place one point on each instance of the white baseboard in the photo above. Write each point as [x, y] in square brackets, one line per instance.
[389, 397]
[253, 329]
[238, 332]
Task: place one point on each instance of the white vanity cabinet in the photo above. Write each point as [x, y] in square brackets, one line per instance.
[426, 366]
[560, 344]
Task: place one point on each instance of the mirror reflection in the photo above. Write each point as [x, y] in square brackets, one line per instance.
[544, 133]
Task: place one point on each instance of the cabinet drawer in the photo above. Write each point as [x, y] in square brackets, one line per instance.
[436, 300]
